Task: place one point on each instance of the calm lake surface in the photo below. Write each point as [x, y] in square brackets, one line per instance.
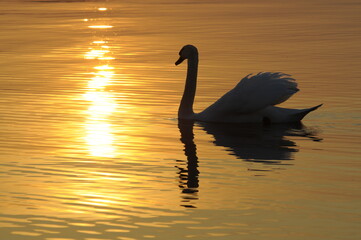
[91, 148]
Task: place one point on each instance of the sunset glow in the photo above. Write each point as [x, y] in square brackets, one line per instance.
[104, 137]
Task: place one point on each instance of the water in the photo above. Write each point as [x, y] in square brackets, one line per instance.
[91, 147]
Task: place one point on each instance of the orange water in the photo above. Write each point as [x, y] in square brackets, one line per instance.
[91, 147]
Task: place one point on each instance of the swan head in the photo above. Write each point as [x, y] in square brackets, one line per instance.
[187, 52]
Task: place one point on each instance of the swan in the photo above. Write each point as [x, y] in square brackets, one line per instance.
[252, 100]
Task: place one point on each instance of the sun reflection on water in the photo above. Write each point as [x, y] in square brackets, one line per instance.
[96, 54]
[99, 134]
[101, 26]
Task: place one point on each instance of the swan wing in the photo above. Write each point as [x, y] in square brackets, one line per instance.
[255, 92]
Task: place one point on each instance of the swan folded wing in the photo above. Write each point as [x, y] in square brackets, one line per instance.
[254, 93]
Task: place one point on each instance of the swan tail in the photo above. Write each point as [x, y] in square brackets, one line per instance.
[302, 113]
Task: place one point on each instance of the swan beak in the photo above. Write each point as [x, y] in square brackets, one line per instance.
[179, 61]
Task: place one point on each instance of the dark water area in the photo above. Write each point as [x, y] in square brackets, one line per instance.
[91, 147]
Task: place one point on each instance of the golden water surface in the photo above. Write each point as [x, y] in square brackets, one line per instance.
[91, 148]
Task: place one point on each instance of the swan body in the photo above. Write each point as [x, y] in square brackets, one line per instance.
[252, 100]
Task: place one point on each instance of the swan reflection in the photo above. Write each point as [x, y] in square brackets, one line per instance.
[188, 170]
[257, 143]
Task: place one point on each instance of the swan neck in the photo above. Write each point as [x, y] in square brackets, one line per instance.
[186, 106]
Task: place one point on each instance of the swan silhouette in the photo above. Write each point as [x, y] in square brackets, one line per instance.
[252, 100]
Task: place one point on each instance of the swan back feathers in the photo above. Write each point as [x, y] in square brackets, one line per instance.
[277, 87]
[253, 93]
